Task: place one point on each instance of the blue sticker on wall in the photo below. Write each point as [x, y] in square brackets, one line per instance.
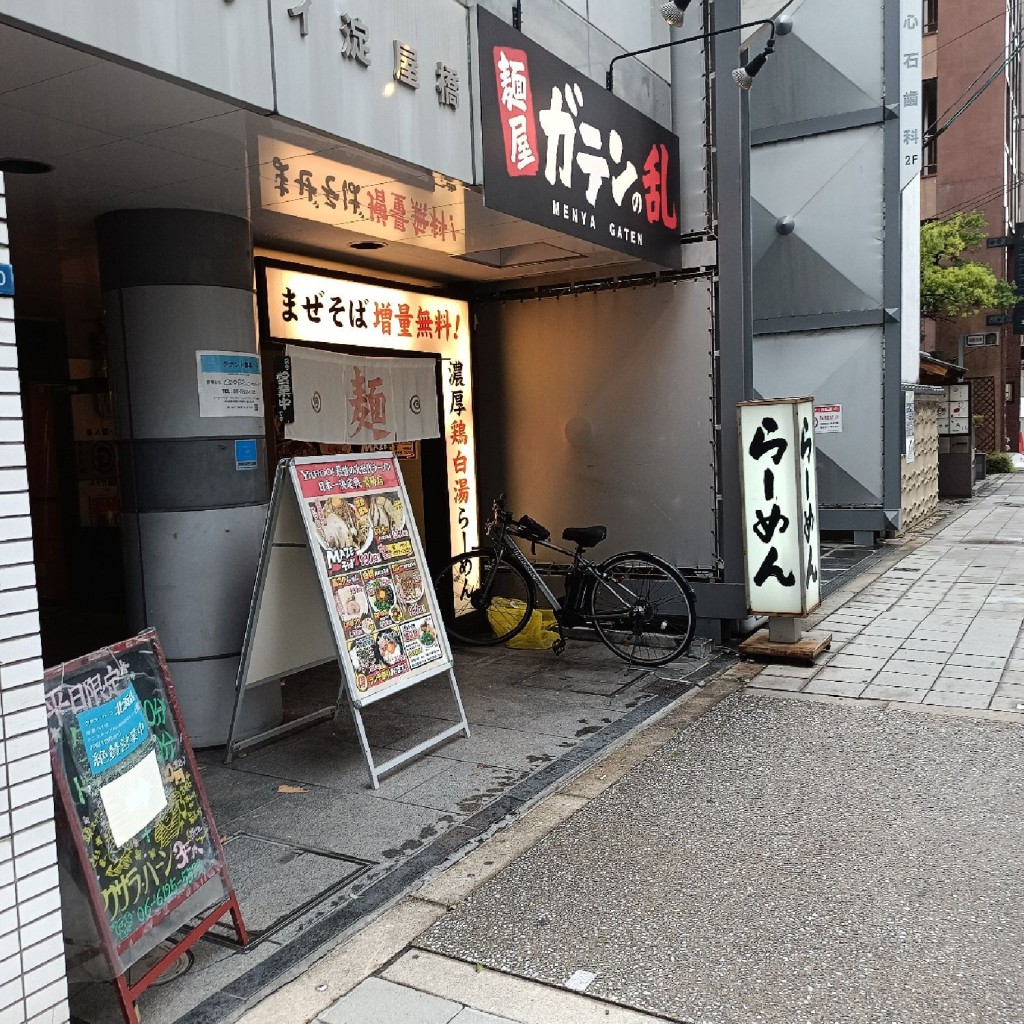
[6, 279]
[245, 455]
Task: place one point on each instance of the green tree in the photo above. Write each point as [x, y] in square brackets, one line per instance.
[952, 286]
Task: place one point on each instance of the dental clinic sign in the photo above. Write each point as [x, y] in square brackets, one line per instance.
[564, 153]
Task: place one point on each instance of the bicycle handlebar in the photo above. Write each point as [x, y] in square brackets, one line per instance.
[524, 526]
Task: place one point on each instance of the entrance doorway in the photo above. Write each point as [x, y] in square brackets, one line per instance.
[422, 462]
[72, 473]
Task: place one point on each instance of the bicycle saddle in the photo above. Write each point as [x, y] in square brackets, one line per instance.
[585, 536]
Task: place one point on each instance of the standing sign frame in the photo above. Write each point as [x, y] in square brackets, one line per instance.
[117, 736]
[317, 554]
[779, 491]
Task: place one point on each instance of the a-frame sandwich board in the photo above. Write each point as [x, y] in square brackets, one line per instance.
[342, 577]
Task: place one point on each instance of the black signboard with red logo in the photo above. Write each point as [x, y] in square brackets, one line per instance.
[562, 152]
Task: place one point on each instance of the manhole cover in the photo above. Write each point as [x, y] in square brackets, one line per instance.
[175, 971]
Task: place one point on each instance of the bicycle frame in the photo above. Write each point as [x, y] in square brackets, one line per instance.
[591, 572]
[512, 549]
[640, 607]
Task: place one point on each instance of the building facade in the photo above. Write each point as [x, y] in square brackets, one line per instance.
[197, 191]
[972, 93]
[833, 135]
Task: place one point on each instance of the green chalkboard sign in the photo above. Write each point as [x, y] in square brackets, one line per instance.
[132, 800]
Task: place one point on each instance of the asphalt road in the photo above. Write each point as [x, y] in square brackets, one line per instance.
[784, 861]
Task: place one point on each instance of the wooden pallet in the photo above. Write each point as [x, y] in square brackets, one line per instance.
[760, 647]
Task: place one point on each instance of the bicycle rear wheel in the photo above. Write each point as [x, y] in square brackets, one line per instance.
[485, 599]
[642, 608]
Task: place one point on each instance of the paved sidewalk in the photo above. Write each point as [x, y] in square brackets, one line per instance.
[785, 846]
[940, 626]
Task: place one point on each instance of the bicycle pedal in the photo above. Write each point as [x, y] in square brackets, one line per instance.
[558, 646]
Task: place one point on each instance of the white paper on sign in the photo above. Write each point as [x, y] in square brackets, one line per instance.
[134, 800]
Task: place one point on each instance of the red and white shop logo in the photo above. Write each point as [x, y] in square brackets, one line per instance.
[515, 97]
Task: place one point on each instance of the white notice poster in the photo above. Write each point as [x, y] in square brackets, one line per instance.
[229, 384]
[828, 419]
[134, 800]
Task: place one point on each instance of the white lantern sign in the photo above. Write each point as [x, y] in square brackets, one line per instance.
[780, 506]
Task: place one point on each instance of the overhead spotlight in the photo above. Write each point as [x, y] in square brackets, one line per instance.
[675, 12]
[22, 165]
[744, 76]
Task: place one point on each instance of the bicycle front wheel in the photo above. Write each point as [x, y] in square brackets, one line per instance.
[642, 608]
[485, 599]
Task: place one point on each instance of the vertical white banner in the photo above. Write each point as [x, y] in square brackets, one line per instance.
[810, 554]
[780, 506]
[911, 150]
[911, 129]
[910, 283]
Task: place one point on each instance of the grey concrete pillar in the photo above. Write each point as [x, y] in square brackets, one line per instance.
[174, 282]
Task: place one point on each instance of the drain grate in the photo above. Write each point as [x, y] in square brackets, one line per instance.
[278, 882]
[994, 540]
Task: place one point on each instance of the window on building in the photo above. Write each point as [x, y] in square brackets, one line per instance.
[929, 115]
[931, 15]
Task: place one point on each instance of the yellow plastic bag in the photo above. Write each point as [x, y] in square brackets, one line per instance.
[537, 635]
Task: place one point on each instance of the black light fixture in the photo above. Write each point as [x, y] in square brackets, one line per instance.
[744, 76]
[368, 245]
[675, 12]
[23, 165]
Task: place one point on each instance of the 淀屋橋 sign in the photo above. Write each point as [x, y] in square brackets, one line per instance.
[778, 478]
[562, 152]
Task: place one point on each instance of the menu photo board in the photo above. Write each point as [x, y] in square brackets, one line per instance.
[138, 839]
[343, 577]
[382, 606]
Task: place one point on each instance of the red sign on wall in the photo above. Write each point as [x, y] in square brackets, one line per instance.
[515, 97]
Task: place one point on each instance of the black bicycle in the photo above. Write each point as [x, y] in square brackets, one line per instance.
[640, 606]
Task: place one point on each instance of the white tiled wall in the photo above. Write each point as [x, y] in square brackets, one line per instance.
[32, 984]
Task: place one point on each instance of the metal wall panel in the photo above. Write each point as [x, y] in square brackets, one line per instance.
[223, 47]
[825, 255]
[319, 87]
[836, 368]
[830, 64]
[831, 187]
[590, 45]
[597, 409]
